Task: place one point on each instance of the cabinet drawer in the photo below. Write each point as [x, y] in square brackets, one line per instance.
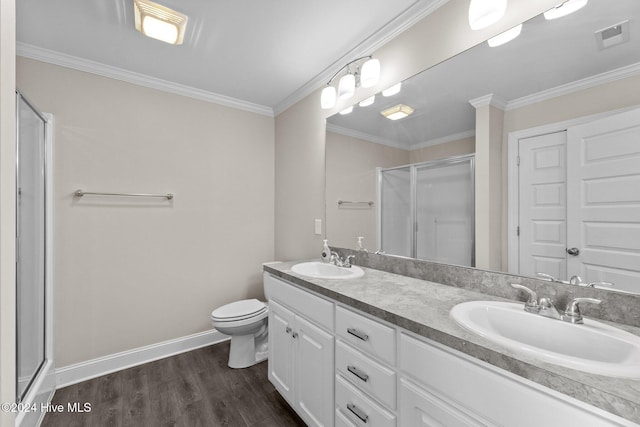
[312, 307]
[373, 337]
[358, 408]
[493, 395]
[367, 374]
[418, 407]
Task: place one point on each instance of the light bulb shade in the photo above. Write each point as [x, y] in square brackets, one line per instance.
[347, 86]
[483, 13]
[328, 98]
[370, 73]
[392, 90]
[505, 37]
[368, 101]
[347, 110]
[564, 9]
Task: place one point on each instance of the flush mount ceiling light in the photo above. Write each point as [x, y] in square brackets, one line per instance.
[483, 13]
[159, 22]
[397, 112]
[366, 74]
[565, 8]
[505, 37]
[395, 89]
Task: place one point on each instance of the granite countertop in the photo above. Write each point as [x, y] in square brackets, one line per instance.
[423, 307]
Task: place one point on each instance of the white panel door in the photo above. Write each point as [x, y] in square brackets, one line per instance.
[281, 349]
[314, 374]
[604, 200]
[542, 205]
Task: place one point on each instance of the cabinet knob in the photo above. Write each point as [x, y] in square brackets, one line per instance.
[288, 330]
[294, 335]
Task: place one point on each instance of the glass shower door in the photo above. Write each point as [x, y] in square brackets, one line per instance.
[396, 235]
[444, 212]
[30, 242]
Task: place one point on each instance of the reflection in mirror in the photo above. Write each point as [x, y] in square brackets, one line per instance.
[563, 96]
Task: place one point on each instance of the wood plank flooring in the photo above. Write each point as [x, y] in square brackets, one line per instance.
[190, 389]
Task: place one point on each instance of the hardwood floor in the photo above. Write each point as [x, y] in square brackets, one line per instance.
[190, 389]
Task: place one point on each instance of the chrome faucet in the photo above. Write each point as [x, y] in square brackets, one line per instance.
[337, 261]
[545, 306]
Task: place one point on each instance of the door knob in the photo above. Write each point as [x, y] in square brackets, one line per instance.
[573, 251]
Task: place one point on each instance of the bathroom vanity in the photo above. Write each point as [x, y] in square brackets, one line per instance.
[383, 350]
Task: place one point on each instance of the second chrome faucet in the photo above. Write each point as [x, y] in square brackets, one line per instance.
[544, 306]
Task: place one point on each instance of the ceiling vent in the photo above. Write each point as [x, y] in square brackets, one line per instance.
[614, 35]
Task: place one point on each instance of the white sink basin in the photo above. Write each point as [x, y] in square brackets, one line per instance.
[323, 270]
[592, 347]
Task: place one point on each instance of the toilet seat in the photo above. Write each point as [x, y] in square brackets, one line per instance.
[240, 310]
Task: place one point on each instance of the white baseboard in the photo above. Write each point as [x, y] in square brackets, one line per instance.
[83, 371]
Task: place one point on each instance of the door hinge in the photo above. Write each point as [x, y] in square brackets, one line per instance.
[518, 161]
[518, 231]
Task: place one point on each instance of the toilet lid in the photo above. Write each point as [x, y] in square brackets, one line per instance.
[239, 310]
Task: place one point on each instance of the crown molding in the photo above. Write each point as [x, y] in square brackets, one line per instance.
[80, 64]
[490, 99]
[365, 136]
[578, 85]
[443, 140]
[399, 24]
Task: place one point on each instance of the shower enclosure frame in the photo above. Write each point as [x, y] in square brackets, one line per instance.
[413, 172]
[40, 389]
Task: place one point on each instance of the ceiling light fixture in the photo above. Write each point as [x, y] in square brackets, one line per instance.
[505, 37]
[395, 89]
[397, 112]
[159, 22]
[483, 13]
[366, 74]
[564, 9]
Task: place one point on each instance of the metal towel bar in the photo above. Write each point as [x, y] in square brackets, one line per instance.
[80, 193]
[347, 202]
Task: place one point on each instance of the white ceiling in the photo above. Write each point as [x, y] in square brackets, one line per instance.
[546, 55]
[264, 52]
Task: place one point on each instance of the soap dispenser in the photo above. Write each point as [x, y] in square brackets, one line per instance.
[359, 245]
[326, 252]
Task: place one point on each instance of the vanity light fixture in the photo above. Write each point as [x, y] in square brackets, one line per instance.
[564, 9]
[397, 112]
[366, 74]
[159, 22]
[366, 102]
[483, 13]
[395, 89]
[505, 37]
[346, 111]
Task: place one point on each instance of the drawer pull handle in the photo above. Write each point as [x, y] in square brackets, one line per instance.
[358, 373]
[358, 334]
[358, 412]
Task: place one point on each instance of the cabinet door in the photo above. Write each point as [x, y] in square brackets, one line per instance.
[281, 349]
[314, 374]
[420, 408]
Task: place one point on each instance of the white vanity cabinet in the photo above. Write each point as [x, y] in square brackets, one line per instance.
[387, 376]
[301, 353]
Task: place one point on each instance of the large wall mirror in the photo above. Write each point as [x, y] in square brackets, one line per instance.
[567, 92]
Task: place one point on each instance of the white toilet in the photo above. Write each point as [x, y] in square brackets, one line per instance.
[246, 322]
